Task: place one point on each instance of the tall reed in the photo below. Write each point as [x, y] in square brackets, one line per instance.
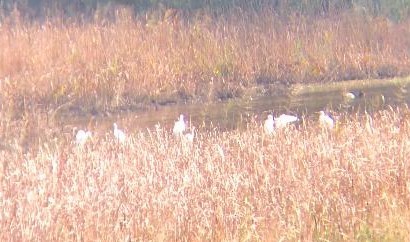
[303, 183]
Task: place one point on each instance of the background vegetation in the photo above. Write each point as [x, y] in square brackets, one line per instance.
[166, 56]
[396, 9]
[93, 56]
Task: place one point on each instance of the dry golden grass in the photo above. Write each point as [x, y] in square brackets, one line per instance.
[134, 60]
[302, 184]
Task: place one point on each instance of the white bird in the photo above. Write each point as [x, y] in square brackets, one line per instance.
[354, 94]
[284, 120]
[326, 121]
[269, 124]
[81, 137]
[119, 134]
[190, 136]
[179, 126]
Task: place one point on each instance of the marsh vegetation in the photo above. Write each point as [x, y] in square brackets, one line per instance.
[300, 183]
[133, 62]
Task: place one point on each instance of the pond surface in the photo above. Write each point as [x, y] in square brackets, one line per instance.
[298, 100]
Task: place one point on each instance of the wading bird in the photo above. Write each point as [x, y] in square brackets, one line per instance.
[82, 136]
[179, 126]
[354, 94]
[326, 121]
[269, 124]
[284, 120]
[119, 134]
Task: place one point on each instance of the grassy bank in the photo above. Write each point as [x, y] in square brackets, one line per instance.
[135, 61]
[302, 184]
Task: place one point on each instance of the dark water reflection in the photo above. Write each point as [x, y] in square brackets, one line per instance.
[296, 100]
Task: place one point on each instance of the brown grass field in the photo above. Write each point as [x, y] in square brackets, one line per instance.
[134, 61]
[301, 184]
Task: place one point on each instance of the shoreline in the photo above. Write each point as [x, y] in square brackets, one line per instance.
[249, 94]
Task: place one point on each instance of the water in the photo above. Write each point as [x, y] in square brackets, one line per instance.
[298, 100]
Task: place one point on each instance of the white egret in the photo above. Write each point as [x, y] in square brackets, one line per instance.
[326, 121]
[179, 126]
[82, 136]
[118, 133]
[190, 136]
[284, 120]
[269, 124]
